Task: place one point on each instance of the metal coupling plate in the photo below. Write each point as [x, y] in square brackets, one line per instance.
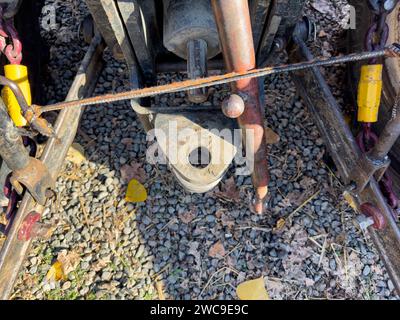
[198, 146]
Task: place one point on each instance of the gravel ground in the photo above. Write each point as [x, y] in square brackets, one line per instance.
[166, 247]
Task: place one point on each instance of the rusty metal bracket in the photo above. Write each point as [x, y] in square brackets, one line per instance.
[26, 171]
[370, 169]
[36, 178]
[37, 123]
[13, 251]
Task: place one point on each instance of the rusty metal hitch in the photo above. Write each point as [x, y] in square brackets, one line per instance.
[36, 178]
[25, 226]
[29, 112]
[357, 171]
[26, 171]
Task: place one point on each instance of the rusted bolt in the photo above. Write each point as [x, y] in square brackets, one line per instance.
[373, 212]
[233, 107]
[26, 231]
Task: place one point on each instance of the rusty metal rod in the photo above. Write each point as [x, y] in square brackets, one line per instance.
[389, 51]
[235, 32]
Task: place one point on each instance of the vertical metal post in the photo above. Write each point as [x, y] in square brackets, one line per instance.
[234, 27]
[197, 68]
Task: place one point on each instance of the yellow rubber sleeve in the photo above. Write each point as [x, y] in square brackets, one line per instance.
[369, 93]
[19, 74]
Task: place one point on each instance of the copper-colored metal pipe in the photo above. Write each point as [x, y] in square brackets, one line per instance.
[235, 32]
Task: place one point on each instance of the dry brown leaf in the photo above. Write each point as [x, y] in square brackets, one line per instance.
[341, 238]
[252, 290]
[297, 198]
[3, 219]
[133, 171]
[276, 289]
[219, 213]
[227, 221]
[217, 250]
[55, 273]
[187, 217]
[271, 137]
[136, 192]
[69, 261]
[280, 225]
[285, 203]
[307, 182]
[229, 190]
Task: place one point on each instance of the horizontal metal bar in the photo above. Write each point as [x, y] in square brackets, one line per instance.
[217, 80]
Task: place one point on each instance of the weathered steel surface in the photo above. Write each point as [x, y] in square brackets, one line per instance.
[133, 18]
[387, 139]
[12, 150]
[107, 18]
[259, 13]
[283, 16]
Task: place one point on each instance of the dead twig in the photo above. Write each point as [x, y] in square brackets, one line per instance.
[323, 251]
[209, 280]
[85, 213]
[303, 205]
